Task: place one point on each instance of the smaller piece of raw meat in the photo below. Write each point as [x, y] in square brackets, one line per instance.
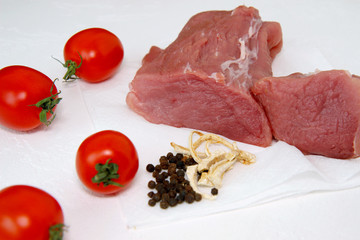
[318, 113]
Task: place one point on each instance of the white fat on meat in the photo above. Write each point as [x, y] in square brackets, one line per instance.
[236, 68]
[187, 68]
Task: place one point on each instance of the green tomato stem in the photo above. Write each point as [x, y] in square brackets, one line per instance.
[56, 232]
[71, 66]
[106, 173]
[47, 105]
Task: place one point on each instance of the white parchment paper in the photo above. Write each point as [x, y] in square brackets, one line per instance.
[280, 171]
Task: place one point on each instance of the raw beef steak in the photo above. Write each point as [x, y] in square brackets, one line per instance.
[317, 113]
[202, 79]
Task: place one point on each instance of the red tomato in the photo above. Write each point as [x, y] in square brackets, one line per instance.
[106, 162]
[101, 54]
[28, 213]
[20, 89]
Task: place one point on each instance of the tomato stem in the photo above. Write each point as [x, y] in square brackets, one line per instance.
[56, 232]
[106, 173]
[71, 66]
[47, 105]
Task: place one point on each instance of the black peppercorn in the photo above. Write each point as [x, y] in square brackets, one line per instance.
[165, 197]
[189, 198]
[173, 181]
[164, 166]
[181, 179]
[173, 160]
[178, 187]
[164, 205]
[152, 202]
[159, 186]
[167, 185]
[173, 202]
[179, 156]
[198, 197]
[180, 164]
[151, 184]
[182, 194]
[156, 197]
[150, 168]
[214, 191]
[163, 159]
[169, 155]
[158, 168]
[180, 173]
[172, 194]
[187, 188]
[155, 174]
[190, 161]
[172, 165]
[165, 174]
[160, 178]
[171, 171]
[179, 199]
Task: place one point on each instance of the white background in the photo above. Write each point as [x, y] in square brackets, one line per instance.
[317, 34]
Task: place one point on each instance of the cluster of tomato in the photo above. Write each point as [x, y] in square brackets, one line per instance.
[106, 162]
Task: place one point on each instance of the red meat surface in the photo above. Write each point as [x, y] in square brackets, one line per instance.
[317, 113]
[202, 79]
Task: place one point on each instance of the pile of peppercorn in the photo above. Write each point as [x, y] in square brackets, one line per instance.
[170, 187]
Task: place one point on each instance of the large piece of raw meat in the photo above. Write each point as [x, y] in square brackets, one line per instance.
[318, 113]
[202, 79]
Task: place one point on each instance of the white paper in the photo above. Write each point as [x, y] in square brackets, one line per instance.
[280, 171]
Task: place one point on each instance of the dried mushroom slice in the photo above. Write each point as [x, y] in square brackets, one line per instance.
[191, 173]
[211, 164]
[216, 171]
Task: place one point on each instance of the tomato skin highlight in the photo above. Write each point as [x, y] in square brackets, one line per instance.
[27, 213]
[20, 87]
[102, 53]
[98, 148]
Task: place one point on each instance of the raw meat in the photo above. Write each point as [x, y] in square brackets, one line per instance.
[318, 113]
[202, 79]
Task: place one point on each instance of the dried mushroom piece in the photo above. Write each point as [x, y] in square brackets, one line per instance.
[192, 174]
[212, 164]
